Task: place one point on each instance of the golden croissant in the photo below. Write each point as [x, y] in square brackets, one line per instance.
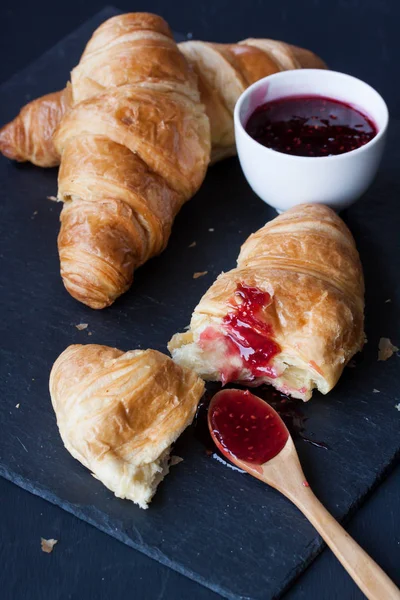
[118, 413]
[134, 147]
[290, 314]
[224, 71]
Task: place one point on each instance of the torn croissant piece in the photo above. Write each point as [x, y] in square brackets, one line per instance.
[134, 147]
[224, 71]
[290, 314]
[118, 413]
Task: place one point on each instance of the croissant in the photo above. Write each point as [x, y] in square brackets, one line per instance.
[224, 71]
[290, 314]
[118, 413]
[134, 147]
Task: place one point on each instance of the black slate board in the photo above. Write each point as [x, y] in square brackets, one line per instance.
[215, 525]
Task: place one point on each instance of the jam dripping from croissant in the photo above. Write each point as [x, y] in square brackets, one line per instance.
[247, 335]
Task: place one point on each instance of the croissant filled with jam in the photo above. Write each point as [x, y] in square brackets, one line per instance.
[291, 312]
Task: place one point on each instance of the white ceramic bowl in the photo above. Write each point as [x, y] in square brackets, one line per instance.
[283, 180]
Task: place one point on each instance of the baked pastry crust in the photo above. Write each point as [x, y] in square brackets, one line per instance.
[29, 137]
[118, 413]
[134, 147]
[224, 71]
[307, 263]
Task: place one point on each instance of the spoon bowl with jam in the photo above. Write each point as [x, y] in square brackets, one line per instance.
[310, 135]
[251, 434]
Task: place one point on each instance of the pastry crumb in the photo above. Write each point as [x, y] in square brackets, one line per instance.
[211, 229]
[199, 274]
[82, 326]
[397, 406]
[53, 199]
[375, 391]
[35, 212]
[48, 545]
[89, 333]
[17, 405]
[388, 300]
[175, 460]
[192, 245]
[386, 349]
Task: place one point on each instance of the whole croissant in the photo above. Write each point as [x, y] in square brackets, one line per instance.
[290, 314]
[224, 71]
[118, 413]
[134, 147]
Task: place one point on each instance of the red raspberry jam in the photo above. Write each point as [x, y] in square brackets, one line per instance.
[310, 126]
[246, 427]
[246, 334]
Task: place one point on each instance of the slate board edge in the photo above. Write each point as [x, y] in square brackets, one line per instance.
[39, 490]
[46, 494]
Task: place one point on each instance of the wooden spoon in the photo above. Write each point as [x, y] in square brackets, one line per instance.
[251, 434]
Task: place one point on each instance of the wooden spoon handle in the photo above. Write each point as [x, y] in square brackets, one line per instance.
[369, 577]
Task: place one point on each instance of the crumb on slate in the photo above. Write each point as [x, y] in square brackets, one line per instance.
[53, 198]
[48, 545]
[89, 333]
[192, 245]
[388, 300]
[211, 229]
[199, 274]
[35, 212]
[175, 460]
[81, 326]
[375, 391]
[386, 349]
[17, 405]
[397, 406]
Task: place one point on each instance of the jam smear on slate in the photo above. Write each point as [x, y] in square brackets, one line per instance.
[246, 334]
[246, 427]
[310, 126]
[289, 409]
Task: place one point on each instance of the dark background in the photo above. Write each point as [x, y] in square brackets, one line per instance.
[359, 37]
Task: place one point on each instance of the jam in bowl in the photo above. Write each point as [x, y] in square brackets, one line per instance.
[310, 135]
[310, 126]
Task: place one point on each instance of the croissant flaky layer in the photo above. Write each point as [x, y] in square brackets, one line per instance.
[290, 314]
[118, 413]
[223, 72]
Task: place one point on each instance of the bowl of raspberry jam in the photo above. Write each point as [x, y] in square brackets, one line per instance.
[310, 135]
